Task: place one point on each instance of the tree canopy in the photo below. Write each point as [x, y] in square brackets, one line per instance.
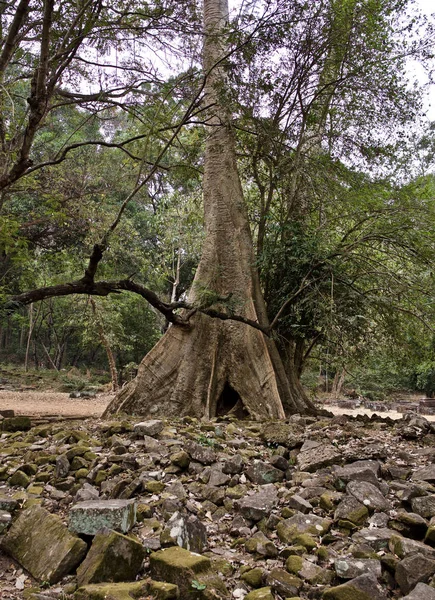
[105, 111]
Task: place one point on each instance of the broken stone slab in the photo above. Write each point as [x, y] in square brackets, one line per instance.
[316, 458]
[403, 547]
[308, 571]
[89, 517]
[177, 565]
[377, 538]
[42, 544]
[289, 529]
[421, 592]
[349, 568]
[258, 505]
[364, 587]
[425, 474]
[152, 427]
[185, 531]
[361, 470]
[369, 495]
[263, 473]
[13, 424]
[351, 510]
[412, 570]
[112, 557]
[284, 583]
[260, 544]
[424, 506]
[203, 455]
[127, 591]
[7, 503]
[282, 434]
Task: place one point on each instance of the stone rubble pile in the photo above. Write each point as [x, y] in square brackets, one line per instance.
[321, 508]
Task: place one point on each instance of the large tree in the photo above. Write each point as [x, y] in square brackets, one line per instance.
[214, 365]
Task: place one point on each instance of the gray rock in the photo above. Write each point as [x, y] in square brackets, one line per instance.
[349, 568]
[361, 470]
[203, 455]
[89, 517]
[260, 544]
[316, 458]
[298, 524]
[378, 539]
[283, 583]
[258, 505]
[42, 544]
[8, 503]
[152, 427]
[217, 477]
[233, 465]
[295, 501]
[403, 547]
[364, 587]
[351, 509]
[86, 492]
[177, 490]
[62, 466]
[289, 435]
[185, 531]
[262, 473]
[279, 462]
[424, 506]
[412, 570]
[425, 474]
[369, 495]
[421, 592]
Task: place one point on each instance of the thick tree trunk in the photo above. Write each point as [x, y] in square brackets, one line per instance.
[216, 366]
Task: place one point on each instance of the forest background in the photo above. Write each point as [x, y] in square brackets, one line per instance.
[102, 116]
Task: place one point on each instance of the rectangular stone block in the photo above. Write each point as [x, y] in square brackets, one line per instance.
[112, 557]
[178, 566]
[90, 517]
[42, 544]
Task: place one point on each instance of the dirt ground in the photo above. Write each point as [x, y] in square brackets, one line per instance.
[53, 404]
[60, 404]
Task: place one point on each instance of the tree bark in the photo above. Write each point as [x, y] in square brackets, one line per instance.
[217, 366]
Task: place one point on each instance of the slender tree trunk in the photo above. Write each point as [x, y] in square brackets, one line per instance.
[216, 366]
[29, 337]
[106, 345]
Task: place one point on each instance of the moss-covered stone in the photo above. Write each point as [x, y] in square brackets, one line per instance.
[112, 591]
[35, 490]
[19, 479]
[154, 487]
[253, 577]
[16, 424]
[294, 564]
[112, 557]
[43, 545]
[81, 474]
[177, 565]
[100, 477]
[261, 594]
[306, 540]
[161, 590]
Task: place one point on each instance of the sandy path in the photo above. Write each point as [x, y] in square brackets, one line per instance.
[60, 404]
[365, 411]
[52, 403]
